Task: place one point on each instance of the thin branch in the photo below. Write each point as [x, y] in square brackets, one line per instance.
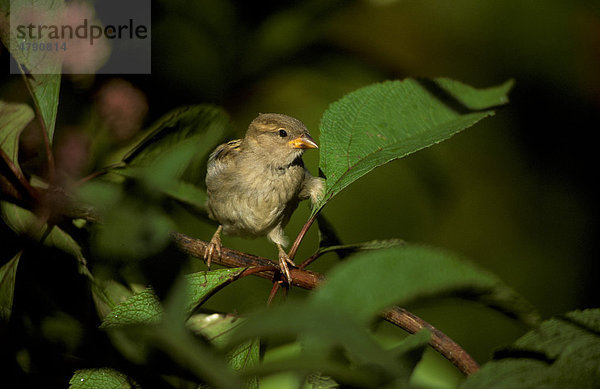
[310, 259]
[309, 280]
[300, 236]
[257, 269]
[100, 172]
[274, 290]
[232, 258]
[439, 341]
[19, 187]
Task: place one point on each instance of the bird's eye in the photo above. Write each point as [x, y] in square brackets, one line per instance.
[282, 133]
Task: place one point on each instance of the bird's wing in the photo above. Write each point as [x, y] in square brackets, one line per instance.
[224, 154]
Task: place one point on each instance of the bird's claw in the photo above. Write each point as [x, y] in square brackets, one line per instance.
[284, 260]
[214, 247]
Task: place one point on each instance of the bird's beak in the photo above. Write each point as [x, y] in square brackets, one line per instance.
[304, 141]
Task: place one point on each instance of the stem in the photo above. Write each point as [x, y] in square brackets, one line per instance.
[100, 172]
[274, 289]
[257, 269]
[20, 188]
[310, 260]
[301, 234]
[439, 341]
[309, 280]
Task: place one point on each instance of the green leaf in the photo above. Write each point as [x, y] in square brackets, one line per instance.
[371, 281]
[13, 119]
[202, 360]
[215, 327]
[25, 222]
[146, 329]
[40, 69]
[168, 185]
[564, 352]
[145, 308]
[382, 122]
[245, 356]
[186, 193]
[203, 126]
[107, 294]
[364, 246]
[589, 318]
[324, 331]
[141, 308]
[204, 284]
[101, 378]
[140, 325]
[8, 276]
[135, 224]
[171, 158]
[45, 90]
[330, 242]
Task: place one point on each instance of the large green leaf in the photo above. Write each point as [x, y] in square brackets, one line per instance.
[324, 331]
[145, 308]
[564, 352]
[41, 69]
[8, 275]
[370, 281]
[381, 122]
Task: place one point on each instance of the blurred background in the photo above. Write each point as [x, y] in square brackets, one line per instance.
[516, 193]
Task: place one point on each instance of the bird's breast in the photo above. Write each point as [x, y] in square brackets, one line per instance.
[253, 202]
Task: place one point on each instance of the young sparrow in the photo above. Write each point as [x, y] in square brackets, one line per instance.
[255, 184]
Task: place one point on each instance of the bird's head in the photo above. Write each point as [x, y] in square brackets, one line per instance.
[278, 137]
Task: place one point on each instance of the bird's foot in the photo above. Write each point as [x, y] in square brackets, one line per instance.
[284, 260]
[214, 247]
